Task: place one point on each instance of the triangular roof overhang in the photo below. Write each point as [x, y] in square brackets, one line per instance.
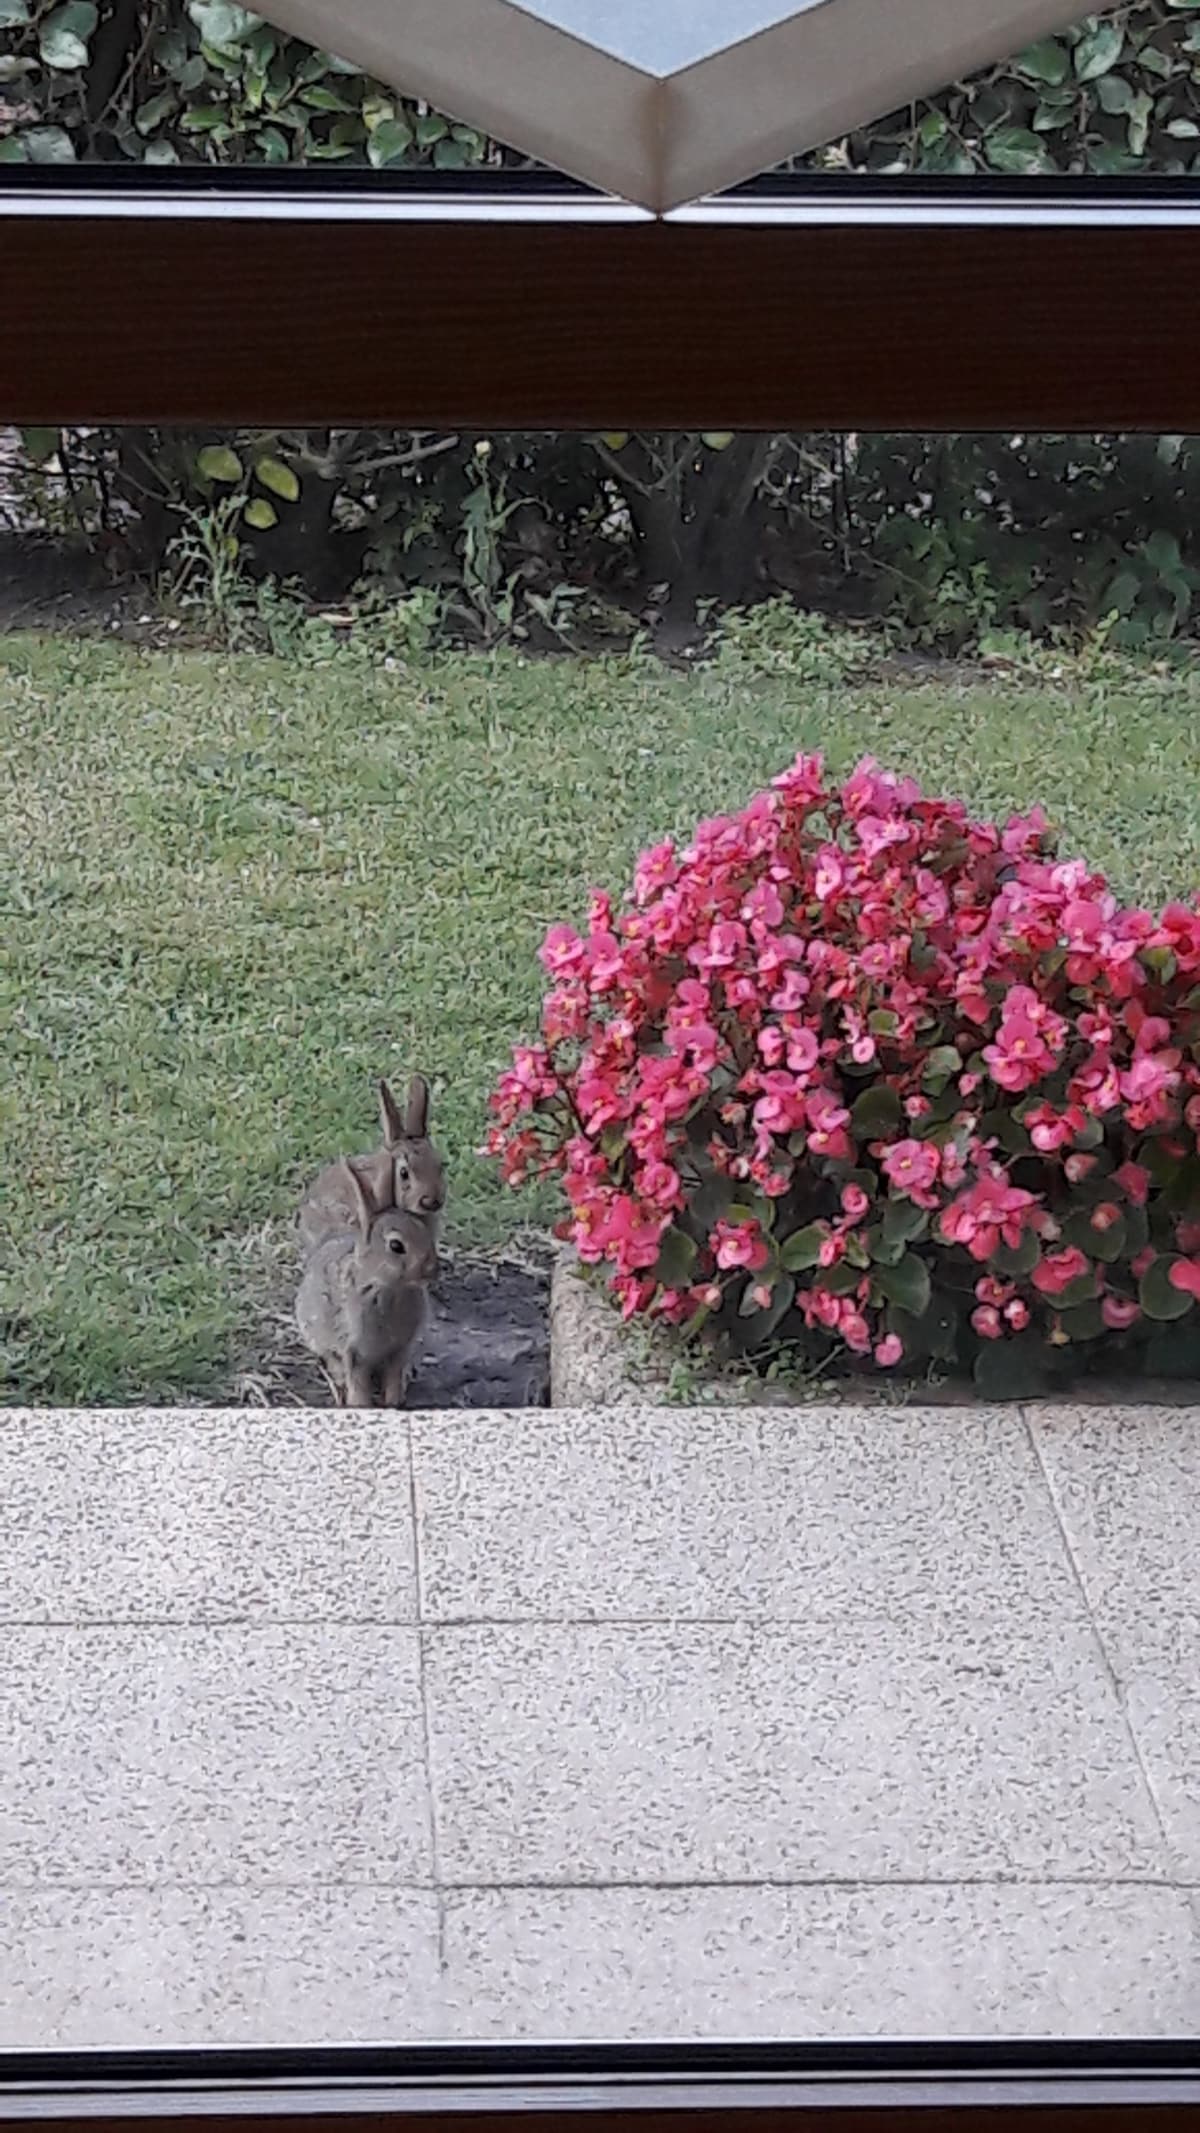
[664, 101]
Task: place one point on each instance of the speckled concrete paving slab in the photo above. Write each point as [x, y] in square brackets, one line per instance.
[202, 1516]
[588, 1723]
[768, 1515]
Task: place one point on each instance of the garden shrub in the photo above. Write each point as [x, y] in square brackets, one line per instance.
[956, 538]
[856, 1071]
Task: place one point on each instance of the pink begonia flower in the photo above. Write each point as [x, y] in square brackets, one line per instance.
[855, 1332]
[1058, 1270]
[989, 1213]
[1134, 1181]
[736, 1004]
[1118, 1312]
[1185, 1276]
[912, 1167]
[738, 1244]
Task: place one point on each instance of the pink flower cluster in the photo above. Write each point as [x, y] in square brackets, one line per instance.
[852, 1053]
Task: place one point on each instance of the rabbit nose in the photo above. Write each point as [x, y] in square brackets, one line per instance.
[429, 1203]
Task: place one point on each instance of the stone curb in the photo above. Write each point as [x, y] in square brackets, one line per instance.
[591, 1364]
[595, 1361]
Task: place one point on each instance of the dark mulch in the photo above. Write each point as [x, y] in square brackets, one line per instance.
[488, 1346]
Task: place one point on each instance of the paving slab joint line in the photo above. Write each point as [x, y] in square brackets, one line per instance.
[1118, 1687]
[423, 1697]
[1182, 1883]
[735, 1884]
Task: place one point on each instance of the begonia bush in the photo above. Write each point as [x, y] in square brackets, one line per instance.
[858, 1072]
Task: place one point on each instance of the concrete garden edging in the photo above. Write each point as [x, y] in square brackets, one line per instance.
[597, 1361]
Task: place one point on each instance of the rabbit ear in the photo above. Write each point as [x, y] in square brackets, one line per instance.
[362, 1198]
[389, 1117]
[416, 1113]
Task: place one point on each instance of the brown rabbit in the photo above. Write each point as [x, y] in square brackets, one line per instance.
[363, 1298]
[407, 1154]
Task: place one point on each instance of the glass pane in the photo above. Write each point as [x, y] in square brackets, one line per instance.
[665, 38]
[822, 1663]
[212, 83]
[1115, 96]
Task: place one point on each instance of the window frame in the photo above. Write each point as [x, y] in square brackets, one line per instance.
[519, 301]
[613, 2088]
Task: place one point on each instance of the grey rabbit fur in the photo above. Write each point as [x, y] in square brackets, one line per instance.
[407, 1156]
[363, 1298]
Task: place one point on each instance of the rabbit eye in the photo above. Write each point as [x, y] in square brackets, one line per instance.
[402, 1172]
[396, 1244]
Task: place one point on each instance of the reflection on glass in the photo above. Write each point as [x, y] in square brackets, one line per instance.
[1114, 95]
[663, 39]
[822, 1663]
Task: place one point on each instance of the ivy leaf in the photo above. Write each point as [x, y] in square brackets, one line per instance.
[216, 462]
[1099, 50]
[279, 479]
[147, 115]
[40, 444]
[717, 440]
[389, 143]
[906, 1284]
[12, 150]
[1016, 149]
[1109, 160]
[260, 514]
[63, 37]
[48, 144]
[1114, 94]
[1138, 127]
[13, 13]
[161, 152]
[221, 24]
[318, 98]
[1047, 61]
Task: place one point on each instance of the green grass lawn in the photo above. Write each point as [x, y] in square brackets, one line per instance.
[232, 891]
